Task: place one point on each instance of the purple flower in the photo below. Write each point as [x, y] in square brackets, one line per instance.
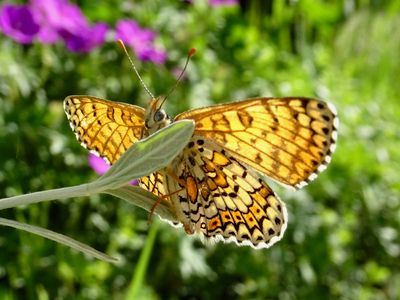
[100, 166]
[85, 39]
[18, 23]
[49, 21]
[61, 19]
[222, 2]
[54, 15]
[141, 40]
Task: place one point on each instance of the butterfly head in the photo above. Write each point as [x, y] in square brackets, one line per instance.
[155, 117]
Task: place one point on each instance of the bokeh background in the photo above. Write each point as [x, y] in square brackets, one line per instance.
[342, 241]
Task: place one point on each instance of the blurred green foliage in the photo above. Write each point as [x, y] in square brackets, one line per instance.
[342, 241]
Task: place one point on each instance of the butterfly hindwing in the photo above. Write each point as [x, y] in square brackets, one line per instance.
[220, 198]
[154, 183]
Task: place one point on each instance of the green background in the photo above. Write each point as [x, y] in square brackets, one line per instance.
[342, 241]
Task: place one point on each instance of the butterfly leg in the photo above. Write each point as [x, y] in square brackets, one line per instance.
[160, 198]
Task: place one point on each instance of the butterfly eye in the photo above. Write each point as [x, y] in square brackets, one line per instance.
[159, 115]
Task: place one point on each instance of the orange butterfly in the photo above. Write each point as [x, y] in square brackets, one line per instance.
[213, 186]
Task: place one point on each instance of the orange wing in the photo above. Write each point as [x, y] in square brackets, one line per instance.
[222, 199]
[288, 139]
[104, 127]
[154, 183]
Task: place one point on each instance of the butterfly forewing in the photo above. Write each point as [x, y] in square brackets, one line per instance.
[104, 127]
[288, 139]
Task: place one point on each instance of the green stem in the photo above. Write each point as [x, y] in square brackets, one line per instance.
[61, 193]
[140, 272]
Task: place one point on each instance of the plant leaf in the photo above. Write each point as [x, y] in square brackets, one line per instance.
[148, 155]
[141, 159]
[59, 238]
[144, 199]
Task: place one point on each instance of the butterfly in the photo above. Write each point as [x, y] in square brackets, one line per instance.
[214, 186]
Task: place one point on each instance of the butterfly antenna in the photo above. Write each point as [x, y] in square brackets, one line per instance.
[122, 45]
[189, 56]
